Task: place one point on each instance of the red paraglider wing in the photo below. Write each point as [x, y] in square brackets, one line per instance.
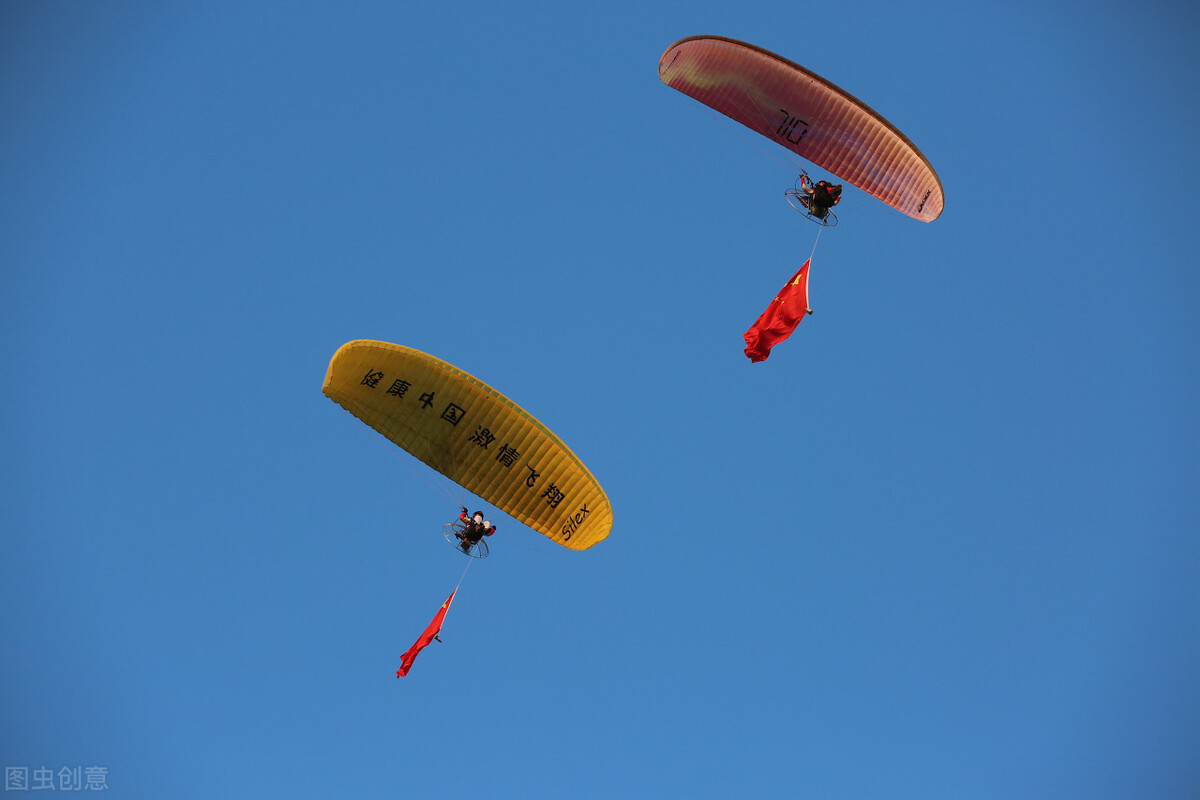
[808, 115]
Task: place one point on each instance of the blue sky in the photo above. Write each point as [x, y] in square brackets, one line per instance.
[941, 544]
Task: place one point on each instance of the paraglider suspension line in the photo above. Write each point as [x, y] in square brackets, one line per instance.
[464, 573]
[437, 487]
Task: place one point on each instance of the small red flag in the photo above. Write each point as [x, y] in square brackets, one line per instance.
[433, 630]
[781, 317]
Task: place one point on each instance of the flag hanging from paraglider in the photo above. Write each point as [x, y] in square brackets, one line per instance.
[433, 630]
[781, 317]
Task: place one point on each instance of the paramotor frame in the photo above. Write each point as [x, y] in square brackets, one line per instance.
[455, 535]
[797, 197]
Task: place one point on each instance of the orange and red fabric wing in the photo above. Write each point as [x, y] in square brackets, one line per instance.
[808, 115]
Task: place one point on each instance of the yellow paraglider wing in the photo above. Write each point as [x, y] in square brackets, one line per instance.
[473, 435]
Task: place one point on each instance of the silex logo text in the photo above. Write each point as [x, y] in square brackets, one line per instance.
[572, 524]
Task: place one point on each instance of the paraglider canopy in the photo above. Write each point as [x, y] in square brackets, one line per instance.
[808, 115]
[473, 435]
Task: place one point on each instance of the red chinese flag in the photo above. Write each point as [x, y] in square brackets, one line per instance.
[433, 630]
[781, 317]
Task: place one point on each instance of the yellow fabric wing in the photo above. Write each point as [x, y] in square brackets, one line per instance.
[473, 435]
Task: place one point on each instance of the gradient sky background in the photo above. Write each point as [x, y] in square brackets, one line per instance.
[942, 544]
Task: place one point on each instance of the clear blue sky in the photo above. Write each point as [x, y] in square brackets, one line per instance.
[942, 544]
